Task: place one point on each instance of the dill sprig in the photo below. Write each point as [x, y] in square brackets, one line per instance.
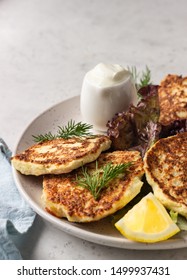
[145, 78]
[70, 130]
[98, 180]
[73, 129]
[140, 79]
[44, 137]
[134, 73]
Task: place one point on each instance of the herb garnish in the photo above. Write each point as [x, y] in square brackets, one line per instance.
[144, 77]
[72, 129]
[98, 180]
[134, 73]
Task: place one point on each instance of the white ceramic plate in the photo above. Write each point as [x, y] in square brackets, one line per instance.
[102, 232]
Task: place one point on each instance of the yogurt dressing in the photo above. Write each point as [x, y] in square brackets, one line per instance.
[106, 90]
[105, 75]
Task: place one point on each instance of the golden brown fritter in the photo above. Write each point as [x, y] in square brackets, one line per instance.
[63, 197]
[173, 99]
[166, 171]
[60, 155]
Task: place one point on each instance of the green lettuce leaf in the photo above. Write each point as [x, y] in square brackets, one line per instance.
[179, 220]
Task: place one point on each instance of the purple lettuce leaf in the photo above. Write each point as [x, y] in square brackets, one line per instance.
[138, 128]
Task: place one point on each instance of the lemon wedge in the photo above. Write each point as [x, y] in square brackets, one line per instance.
[148, 221]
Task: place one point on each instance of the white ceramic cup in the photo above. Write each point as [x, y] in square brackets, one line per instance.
[99, 104]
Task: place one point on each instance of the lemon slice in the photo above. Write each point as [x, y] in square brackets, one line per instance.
[148, 221]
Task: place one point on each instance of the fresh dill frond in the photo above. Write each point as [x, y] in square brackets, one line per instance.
[140, 79]
[145, 78]
[96, 181]
[134, 73]
[44, 137]
[72, 129]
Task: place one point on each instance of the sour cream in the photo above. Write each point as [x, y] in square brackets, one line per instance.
[106, 90]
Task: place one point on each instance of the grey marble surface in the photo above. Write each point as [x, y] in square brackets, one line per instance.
[47, 46]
